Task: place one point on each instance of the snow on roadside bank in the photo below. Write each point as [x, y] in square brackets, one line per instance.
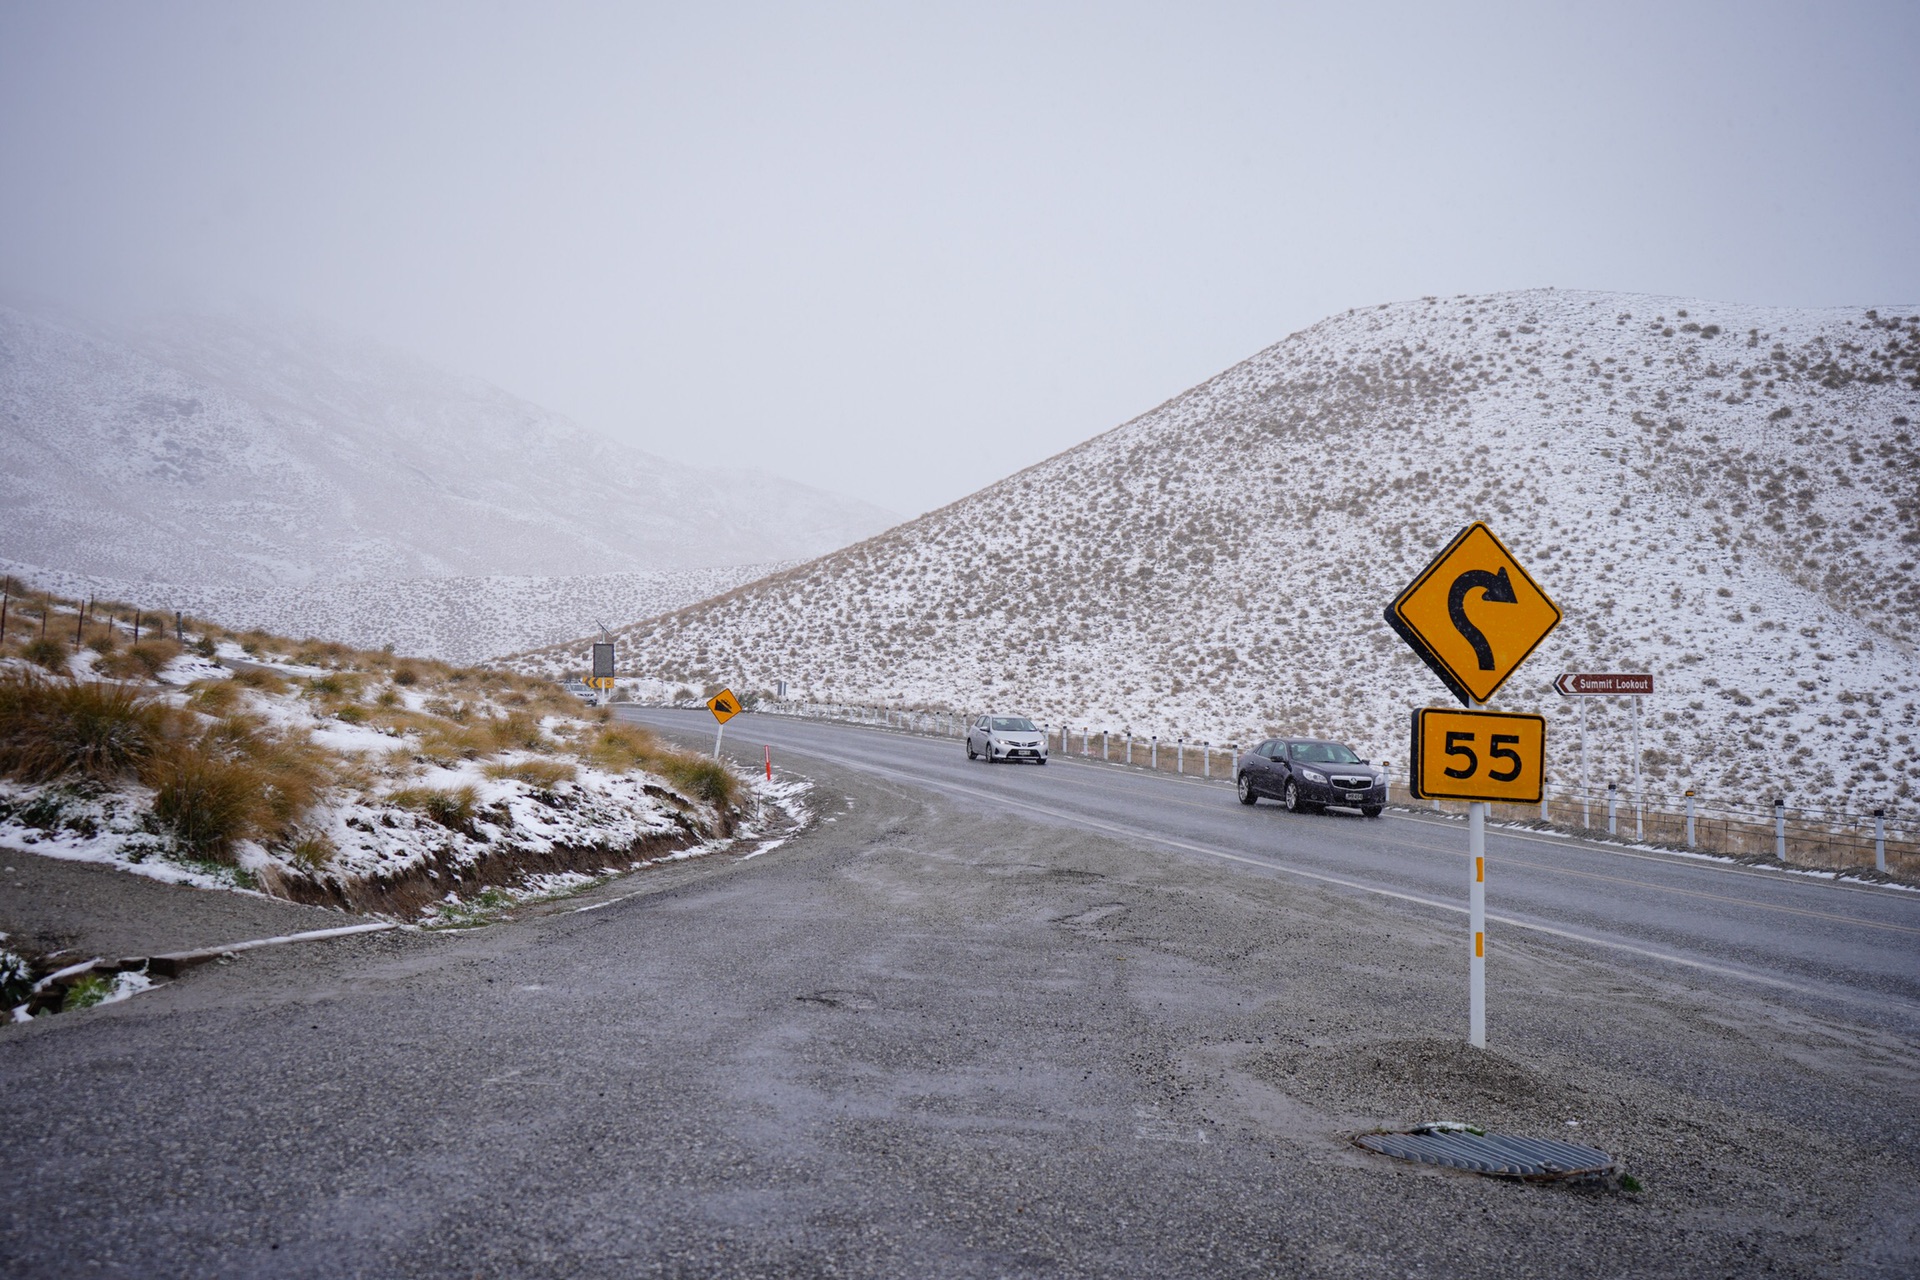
[417, 788]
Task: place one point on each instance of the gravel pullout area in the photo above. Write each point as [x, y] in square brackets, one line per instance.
[917, 1040]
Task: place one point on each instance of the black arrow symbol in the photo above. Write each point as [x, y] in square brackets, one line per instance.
[1496, 589]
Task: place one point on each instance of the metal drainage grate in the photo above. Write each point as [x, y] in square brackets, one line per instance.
[1458, 1147]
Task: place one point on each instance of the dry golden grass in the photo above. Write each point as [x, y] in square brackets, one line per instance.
[143, 661]
[539, 773]
[57, 728]
[453, 808]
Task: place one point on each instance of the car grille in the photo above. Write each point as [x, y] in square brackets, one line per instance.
[1353, 784]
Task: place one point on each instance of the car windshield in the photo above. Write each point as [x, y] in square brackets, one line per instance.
[1324, 753]
[1013, 724]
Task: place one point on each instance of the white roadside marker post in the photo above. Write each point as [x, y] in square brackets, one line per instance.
[1689, 817]
[1639, 779]
[1477, 924]
[1586, 787]
[1780, 828]
[1880, 840]
[1613, 795]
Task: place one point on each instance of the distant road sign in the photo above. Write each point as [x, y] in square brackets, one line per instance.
[603, 661]
[1473, 614]
[1576, 684]
[724, 706]
[1478, 755]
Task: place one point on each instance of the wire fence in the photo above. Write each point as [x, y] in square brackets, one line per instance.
[1793, 834]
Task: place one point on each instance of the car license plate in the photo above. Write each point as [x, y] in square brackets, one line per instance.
[1356, 795]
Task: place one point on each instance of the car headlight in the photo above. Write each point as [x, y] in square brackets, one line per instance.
[1313, 775]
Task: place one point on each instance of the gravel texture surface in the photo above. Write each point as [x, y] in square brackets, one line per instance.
[921, 1040]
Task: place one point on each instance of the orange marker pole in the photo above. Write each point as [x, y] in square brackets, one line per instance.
[769, 764]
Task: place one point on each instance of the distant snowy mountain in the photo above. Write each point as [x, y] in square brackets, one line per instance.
[272, 455]
[1726, 496]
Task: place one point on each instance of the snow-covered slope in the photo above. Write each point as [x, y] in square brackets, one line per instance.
[268, 454]
[1726, 496]
[459, 620]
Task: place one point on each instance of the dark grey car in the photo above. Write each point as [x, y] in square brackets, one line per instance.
[1308, 775]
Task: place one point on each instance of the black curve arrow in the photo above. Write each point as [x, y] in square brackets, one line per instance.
[1496, 589]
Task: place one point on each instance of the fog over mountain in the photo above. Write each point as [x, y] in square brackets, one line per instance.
[276, 474]
[1722, 495]
[267, 453]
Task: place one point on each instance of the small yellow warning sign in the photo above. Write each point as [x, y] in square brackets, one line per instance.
[724, 705]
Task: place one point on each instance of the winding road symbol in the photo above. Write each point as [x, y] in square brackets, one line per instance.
[1494, 588]
[1473, 653]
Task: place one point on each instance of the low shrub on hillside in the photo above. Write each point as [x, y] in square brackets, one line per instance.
[623, 747]
[56, 728]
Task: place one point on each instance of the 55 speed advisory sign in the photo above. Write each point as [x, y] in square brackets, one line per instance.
[1478, 755]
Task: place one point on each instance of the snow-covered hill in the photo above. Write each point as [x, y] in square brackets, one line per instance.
[459, 620]
[1726, 496]
[268, 454]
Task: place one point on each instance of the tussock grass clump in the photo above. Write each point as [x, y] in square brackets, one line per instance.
[621, 747]
[701, 778]
[539, 773]
[45, 651]
[206, 803]
[264, 681]
[453, 808]
[56, 728]
[143, 661]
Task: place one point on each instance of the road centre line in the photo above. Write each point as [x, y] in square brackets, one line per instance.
[1685, 893]
[1705, 966]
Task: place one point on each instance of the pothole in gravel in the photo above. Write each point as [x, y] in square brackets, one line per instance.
[859, 1001]
[1037, 871]
[1092, 915]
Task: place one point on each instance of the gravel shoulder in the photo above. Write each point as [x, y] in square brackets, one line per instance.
[87, 909]
[917, 1039]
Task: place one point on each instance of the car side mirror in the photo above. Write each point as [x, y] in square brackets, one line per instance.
[1366, 762]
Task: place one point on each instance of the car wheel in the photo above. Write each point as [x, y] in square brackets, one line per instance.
[1043, 762]
[1245, 789]
[1292, 798]
[970, 753]
[1370, 810]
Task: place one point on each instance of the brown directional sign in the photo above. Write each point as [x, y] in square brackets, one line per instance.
[1473, 615]
[1478, 755]
[1574, 684]
[724, 705]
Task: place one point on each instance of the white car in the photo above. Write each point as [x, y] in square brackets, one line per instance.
[1006, 738]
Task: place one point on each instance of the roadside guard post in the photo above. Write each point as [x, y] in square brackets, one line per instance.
[1473, 616]
[724, 707]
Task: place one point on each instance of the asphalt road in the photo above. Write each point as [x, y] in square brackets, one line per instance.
[992, 1022]
[1792, 936]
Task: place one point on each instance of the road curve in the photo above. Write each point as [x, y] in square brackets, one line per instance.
[1791, 935]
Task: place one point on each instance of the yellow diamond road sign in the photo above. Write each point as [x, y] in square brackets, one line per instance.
[1473, 615]
[724, 705]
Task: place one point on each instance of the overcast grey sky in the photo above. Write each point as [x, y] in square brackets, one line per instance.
[901, 250]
